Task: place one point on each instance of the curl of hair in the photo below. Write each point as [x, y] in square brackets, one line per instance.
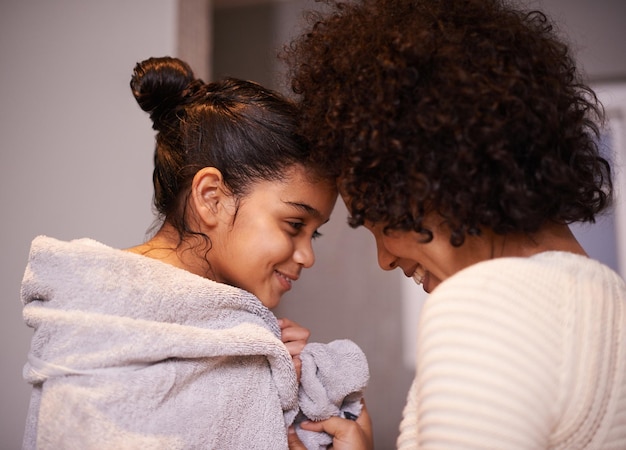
[467, 108]
[246, 131]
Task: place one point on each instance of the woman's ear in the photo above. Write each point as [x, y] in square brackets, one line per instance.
[208, 195]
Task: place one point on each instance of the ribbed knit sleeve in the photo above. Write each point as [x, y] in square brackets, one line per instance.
[502, 348]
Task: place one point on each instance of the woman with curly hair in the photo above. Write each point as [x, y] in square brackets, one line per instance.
[464, 138]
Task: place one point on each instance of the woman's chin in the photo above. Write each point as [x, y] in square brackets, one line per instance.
[430, 282]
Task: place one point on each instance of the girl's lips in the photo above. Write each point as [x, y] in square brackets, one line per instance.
[285, 280]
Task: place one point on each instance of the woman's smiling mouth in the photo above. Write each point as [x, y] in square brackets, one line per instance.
[419, 274]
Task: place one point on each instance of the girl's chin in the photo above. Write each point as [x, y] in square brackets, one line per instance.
[270, 303]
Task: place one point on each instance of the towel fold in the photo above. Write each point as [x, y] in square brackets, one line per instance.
[334, 378]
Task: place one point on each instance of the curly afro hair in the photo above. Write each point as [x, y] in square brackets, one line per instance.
[468, 108]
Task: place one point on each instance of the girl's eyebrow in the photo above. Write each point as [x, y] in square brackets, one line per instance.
[306, 209]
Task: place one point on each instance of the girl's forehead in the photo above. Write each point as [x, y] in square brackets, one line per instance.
[298, 189]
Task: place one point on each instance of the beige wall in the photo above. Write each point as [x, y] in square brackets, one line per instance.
[76, 150]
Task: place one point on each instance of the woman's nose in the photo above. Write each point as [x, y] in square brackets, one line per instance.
[386, 260]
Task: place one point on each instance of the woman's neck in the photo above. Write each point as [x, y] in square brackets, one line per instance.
[551, 237]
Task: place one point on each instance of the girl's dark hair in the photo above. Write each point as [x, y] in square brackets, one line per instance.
[246, 131]
[469, 108]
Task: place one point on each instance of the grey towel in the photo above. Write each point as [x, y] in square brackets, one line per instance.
[132, 353]
[334, 378]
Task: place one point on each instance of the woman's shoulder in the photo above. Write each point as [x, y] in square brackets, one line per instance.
[536, 288]
[540, 271]
[549, 259]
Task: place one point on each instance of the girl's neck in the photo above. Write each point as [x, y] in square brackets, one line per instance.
[167, 247]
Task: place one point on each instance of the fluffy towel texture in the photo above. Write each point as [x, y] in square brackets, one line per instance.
[129, 352]
[132, 353]
[334, 377]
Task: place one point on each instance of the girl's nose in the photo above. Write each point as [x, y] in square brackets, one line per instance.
[304, 254]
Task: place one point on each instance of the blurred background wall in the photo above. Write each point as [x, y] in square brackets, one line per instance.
[76, 160]
[76, 150]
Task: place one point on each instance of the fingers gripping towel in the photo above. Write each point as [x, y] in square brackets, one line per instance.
[334, 377]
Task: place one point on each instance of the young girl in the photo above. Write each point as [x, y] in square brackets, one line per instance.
[171, 344]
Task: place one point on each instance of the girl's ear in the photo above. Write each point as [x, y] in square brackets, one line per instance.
[208, 195]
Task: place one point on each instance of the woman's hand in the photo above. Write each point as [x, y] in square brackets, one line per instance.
[295, 337]
[347, 434]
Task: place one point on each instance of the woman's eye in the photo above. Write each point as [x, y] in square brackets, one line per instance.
[316, 234]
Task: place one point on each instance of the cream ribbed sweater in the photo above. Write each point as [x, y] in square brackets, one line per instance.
[521, 353]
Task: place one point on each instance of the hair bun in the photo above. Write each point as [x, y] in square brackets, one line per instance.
[160, 85]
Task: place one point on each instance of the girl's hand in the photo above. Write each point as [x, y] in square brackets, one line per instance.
[347, 434]
[295, 337]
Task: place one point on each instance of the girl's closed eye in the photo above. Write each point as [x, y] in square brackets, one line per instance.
[298, 227]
